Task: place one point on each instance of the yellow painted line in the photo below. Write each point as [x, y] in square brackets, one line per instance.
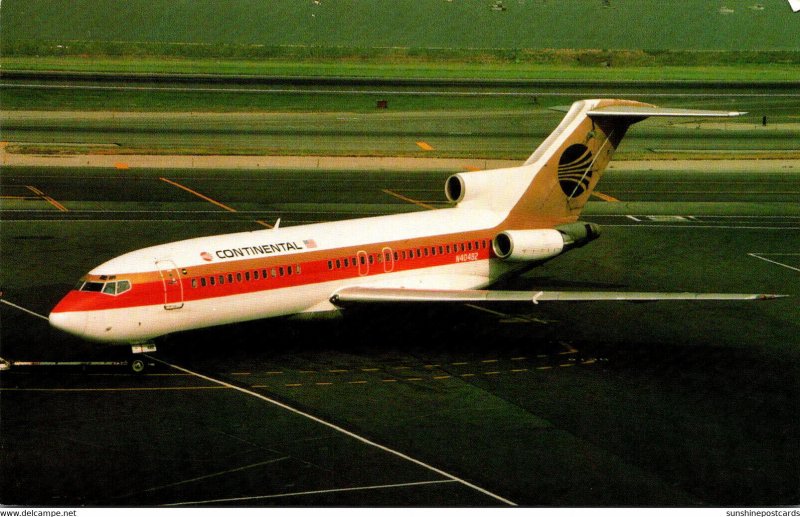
[274, 373]
[518, 358]
[206, 198]
[432, 365]
[472, 168]
[308, 371]
[292, 385]
[467, 375]
[414, 379]
[566, 365]
[544, 367]
[241, 373]
[121, 166]
[605, 197]
[389, 380]
[338, 371]
[589, 361]
[486, 361]
[402, 367]
[491, 373]
[159, 388]
[425, 146]
[356, 382]
[518, 370]
[259, 386]
[438, 377]
[323, 383]
[409, 200]
[47, 198]
[18, 197]
[458, 364]
[369, 369]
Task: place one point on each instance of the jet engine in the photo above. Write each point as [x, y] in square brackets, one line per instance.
[542, 244]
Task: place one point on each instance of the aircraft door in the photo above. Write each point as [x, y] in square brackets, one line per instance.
[363, 263]
[173, 288]
[388, 260]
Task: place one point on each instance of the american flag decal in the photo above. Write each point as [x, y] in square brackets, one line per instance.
[310, 243]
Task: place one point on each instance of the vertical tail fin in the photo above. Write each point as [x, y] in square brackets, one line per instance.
[564, 170]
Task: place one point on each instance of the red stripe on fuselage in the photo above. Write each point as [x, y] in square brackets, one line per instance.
[150, 289]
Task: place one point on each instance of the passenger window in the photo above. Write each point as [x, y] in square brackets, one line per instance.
[202, 282]
[221, 280]
[289, 270]
[247, 275]
[238, 277]
[338, 264]
[297, 269]
[371, 259]
[280, 270]
[396, 256]
[347, 262]
[230, 278]
[194, 283]
[212, 280]
[110, 288]
[264, 274]
[469, 246]
[330, 264]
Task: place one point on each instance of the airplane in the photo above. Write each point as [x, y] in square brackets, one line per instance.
[503, 222]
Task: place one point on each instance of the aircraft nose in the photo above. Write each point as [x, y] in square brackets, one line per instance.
[70, 322]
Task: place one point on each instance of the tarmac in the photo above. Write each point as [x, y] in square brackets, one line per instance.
[670, 404]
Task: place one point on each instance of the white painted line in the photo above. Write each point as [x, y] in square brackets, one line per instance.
[209, 476]
[339, 429]
[313, 492]
[702, 226]
[756, 255]
[633, 218]
[23, 309]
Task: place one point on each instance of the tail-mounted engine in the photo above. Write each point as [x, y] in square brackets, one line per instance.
[535, 245]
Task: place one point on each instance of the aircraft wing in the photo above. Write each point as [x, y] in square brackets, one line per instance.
[364, 295]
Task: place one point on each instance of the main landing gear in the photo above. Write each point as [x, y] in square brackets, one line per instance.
[137, 362]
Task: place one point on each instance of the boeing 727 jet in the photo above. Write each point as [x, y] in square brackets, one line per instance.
[503, 222]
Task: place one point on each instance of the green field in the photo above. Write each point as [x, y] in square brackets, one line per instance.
[438, 24]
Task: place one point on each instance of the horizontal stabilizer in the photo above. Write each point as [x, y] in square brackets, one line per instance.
[353, 295]
[651, 111]
[646, 111]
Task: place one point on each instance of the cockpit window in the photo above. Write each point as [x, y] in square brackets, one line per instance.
[110, 288]
[92, 287]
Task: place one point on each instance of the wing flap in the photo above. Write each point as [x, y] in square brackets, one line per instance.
[356, 295]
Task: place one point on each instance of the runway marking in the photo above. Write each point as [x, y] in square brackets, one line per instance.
[759, 256]
[605, 197]
[633, 218]
[206, 198]
[425, 146]
[209, 476]
[42, 195]
[153, 388]
[121, 166]
[341, 430]
[315, 492]
[23, 309]
[409, 200]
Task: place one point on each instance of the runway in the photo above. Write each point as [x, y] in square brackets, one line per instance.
[611, 405]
